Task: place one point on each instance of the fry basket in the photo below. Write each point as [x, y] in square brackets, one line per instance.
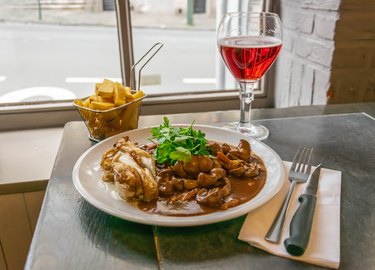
[104, 124]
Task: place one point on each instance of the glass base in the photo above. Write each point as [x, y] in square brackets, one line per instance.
[254, 131]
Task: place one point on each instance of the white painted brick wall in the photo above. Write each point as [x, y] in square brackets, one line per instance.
[308, 48]
[290, 18]
[306, 86]
[295, 84]
[322, 53]
[305, 22]
[321, 4]
[317, 51]
[325, 26]
[303, 47]
[328, 53]
[288, 41]
[283, 70]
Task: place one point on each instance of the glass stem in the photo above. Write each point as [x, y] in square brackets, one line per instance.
[246, 97]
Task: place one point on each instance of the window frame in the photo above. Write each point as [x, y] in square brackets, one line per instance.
[58, 113]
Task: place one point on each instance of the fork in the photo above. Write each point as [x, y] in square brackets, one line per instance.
[298, 173]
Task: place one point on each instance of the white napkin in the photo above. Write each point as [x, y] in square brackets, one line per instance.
[324, 244]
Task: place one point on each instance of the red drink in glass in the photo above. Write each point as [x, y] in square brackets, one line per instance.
[248, 58]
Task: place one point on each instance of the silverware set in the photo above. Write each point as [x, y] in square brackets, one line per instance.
[300, 226]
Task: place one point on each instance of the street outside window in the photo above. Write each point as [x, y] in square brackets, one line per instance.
[57, 50]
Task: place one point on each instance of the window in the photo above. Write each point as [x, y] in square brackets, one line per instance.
[189, 61]
[54, 51]
[189, 69]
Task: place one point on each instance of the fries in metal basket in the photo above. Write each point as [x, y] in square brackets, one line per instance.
[113, 108]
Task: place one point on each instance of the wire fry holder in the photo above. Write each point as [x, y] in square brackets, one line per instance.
[156, 48]
[102, 124]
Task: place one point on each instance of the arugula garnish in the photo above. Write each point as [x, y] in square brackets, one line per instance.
[178, 144]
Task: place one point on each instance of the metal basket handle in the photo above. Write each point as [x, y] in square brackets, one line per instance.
[159, 45]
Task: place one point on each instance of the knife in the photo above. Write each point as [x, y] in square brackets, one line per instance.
[300, 226]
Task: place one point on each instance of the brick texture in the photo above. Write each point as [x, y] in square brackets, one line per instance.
[295, 85]
[305, 22]
[288, 40]
[325, 27]
[328, 52]
[307, 85]
[308, 49]
[322, 53]
[316, 51]
[321, 4]
[283, 70]
[303, 48]
[290, 18]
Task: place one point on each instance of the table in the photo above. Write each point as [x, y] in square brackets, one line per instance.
[72, 234]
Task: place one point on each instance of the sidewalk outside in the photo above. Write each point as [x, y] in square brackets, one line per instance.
[76, 15]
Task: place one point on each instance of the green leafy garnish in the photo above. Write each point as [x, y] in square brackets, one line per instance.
[178, 144]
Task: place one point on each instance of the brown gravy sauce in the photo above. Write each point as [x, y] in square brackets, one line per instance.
[243, 189]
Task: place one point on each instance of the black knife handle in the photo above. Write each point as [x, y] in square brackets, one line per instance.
[300, 226]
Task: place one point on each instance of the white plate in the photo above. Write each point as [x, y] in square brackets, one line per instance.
[87, 180]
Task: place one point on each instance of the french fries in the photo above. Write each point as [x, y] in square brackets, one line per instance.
[109, 95]
[102, 118]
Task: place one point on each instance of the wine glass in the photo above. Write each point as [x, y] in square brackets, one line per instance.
[249, 43]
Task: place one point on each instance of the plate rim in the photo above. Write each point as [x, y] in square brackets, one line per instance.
[175, 221]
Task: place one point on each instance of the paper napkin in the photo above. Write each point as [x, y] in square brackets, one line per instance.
[324, 244]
